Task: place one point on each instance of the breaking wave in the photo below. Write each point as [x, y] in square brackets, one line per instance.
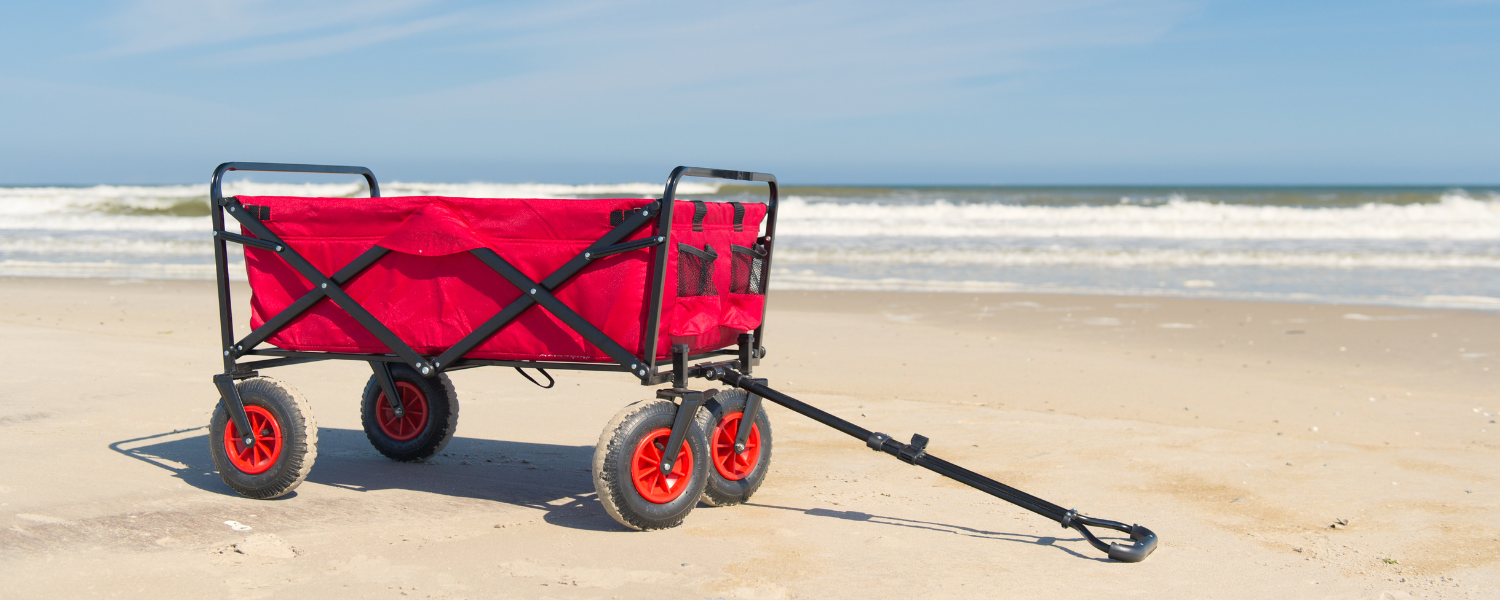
[1454, 216]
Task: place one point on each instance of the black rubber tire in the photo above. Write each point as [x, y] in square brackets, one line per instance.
[718, 490]
[612, 457]
[299, 440]
[442, 416]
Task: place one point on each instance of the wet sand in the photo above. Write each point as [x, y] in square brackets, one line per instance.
[1239, 432]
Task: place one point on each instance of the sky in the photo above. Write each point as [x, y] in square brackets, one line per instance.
[830, 92]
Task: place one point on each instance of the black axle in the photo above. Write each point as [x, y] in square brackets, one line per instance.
[916, 453]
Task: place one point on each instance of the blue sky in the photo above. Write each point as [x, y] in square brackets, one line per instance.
[1069, 92]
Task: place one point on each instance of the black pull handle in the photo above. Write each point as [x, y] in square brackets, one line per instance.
[1145, 544]
[1145, 539]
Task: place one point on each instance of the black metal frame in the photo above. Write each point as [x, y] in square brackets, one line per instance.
[533, 293]
[734, 371]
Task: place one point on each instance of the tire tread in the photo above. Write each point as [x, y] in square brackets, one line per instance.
[286, 480]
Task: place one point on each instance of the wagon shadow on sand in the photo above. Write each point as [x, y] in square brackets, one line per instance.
[864, 517]
[548, 477]
[551, 478]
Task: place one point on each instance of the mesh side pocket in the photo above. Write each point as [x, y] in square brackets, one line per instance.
[747, 270]
[695, 271]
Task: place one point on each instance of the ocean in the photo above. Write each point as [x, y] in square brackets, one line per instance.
[1408, 246]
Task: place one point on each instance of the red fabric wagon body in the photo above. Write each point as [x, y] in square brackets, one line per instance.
[431, 291]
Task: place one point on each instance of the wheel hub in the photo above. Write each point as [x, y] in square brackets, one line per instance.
[660, 481]
[734, 461]
[254, 454]
[406, 421]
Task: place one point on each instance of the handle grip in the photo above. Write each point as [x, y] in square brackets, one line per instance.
[1145, 539]
[1145, 544]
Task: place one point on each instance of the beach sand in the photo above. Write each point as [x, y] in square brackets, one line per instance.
[1240, 432]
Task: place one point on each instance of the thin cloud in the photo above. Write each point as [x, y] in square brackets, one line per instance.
[808, 60]
[152, 26]
[335, 43]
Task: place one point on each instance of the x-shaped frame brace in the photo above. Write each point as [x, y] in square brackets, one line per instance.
[532, 293]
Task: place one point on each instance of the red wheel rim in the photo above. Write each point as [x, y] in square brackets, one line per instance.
[732, 465]
[265, 447]
[413, 418]
[645, 468]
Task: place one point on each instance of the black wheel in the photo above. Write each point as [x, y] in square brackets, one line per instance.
[425, 423]
[734, 476]
[282, 446]
[627, 472]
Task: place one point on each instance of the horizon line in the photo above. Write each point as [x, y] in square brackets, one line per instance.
[785, 185]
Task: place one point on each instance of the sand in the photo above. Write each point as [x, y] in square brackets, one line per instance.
[1239, 432]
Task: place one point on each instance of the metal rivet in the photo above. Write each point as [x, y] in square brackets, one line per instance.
[226, 353]
[231, 209]
[643, 373]
[634, 365]
[661, 238]
[278, 248]
[533, 290]
[588, 255]
[645, 213]
[238, 347]
[426, 370]
[325, 285]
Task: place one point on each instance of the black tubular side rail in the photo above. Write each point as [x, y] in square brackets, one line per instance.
[532, 292]
[915, 453]
[653, 314]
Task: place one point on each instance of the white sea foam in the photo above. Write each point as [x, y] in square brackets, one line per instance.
[106, 246]
[1135, 258]
[104, 222]
[152, 208]
[806, 280]
[45, 200]
[1456, 216]
[113, 270]
[29, 201]
[540, 190]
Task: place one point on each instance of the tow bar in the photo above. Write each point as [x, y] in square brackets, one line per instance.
[915, 453]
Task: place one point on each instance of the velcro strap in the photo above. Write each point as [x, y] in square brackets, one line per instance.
[700, 210]
[260, 212]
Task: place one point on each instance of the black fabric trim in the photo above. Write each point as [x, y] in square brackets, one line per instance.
[757, 251]
[707, 253]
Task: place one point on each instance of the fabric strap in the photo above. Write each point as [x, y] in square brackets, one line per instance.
[700, 210]
[739, 216]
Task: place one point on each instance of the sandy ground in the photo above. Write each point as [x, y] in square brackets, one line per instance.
[1240, 432]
